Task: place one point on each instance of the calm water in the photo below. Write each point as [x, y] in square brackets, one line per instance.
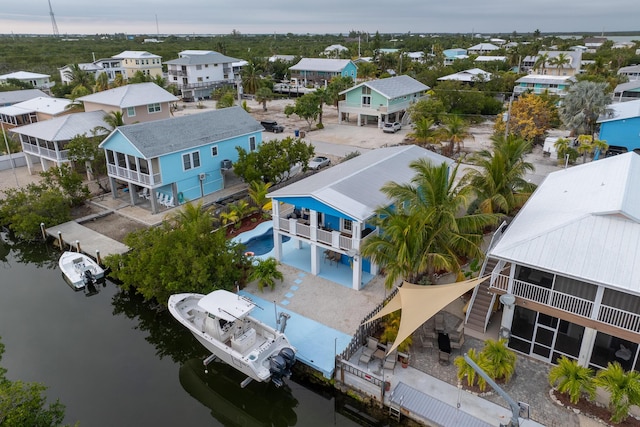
[116, 361]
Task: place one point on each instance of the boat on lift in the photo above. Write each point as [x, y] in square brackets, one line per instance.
[222, 323]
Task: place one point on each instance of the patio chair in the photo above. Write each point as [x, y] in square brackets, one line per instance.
[368, 350]
[144, 194]
[428, 340]
[391, 360]
[161, 197]
[170, 203]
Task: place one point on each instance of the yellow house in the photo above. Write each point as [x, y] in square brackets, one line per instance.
[136, 60]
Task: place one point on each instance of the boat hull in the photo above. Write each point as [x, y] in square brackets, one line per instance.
[74, 266]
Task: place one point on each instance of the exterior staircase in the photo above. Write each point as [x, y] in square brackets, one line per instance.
[482, 301]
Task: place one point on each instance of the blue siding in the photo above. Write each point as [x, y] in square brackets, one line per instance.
[118, 143]
[621, 133]
[350, 71]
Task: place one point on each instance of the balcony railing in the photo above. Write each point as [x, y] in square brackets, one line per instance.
[330, 238]
[46, 152]
[569, 303]
[133, 176]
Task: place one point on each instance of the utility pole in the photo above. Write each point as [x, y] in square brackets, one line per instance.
[506, 126]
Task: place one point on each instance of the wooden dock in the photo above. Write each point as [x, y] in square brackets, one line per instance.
[90, 242]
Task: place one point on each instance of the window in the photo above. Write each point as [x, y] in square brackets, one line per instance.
[131, 111]
[366, 101]
[252, 143]
[154, 108]
[198, 67]
[191, 160]
[214, 150]
[346, 225]
[366, 90]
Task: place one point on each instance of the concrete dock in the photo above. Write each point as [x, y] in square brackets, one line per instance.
[89, 241]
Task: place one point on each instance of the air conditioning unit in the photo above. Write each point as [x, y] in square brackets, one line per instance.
[202, 176]
[226, 165]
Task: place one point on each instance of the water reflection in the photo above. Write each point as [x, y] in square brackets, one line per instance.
[39, 254]
[258, 404]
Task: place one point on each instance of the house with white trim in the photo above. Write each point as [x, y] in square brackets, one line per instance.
[450, 55]
[632, 72]
[472, 75]
[380, 101]
[133, 61]
[197, 73]
[140, 102]
[329, 214]
[33, 111]
[620, 126]
[629, 91]
[539, 84]
[37, 80]
[482, 49]
[46, 141]
[178, 159]
[569, 263]
[320, 71]
[111, 66]
[549, 68]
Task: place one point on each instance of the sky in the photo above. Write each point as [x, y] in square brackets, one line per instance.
[331, 16]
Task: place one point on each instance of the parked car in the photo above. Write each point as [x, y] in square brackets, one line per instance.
[392, 127]
[319, 162]
[272, 126]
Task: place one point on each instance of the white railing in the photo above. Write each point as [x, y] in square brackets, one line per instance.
[283, 224]
[500, 283]
[566, 302]
[345, 242]
[325, 237]
[134, 176]
[620, 318]
[303, 230]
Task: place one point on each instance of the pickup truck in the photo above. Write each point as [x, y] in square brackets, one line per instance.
[272, 126]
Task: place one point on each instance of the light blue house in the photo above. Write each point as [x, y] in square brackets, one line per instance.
[320, 71]
[450, 55]
[180, 159]
[328, 215]
[380, 101]
[539, 84]
[620, 126]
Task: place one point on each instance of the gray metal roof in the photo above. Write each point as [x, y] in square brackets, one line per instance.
[131, 95]
[202, 58]
[432, 409]
[64, 128]
[621, 111]
[470, 75]
[584, 223]
[394, 87]
[160, 137]
[41, 104]
[628, 86]
[545, 79]
[353, 187]
[321, 64]
[629, 69]
[14, 96]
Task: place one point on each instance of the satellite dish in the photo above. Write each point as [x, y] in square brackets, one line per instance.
[508, 300]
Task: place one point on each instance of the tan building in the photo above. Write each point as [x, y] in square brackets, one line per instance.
[133, 61]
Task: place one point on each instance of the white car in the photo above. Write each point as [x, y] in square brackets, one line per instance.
[319, 162]
[392, 127]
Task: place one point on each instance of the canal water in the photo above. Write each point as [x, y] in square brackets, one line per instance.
[114, 360]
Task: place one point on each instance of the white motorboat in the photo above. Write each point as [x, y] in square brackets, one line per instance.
[79, 269]
[222, 323]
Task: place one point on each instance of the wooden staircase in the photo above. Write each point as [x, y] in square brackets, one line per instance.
[483, 300]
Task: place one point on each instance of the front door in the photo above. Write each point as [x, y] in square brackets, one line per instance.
[544, 337]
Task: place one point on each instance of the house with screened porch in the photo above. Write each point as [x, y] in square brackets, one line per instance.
[567, 268]
[328, 215]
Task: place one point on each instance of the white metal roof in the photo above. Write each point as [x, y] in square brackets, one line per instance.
[321, 64]
[64, 128]
[135, 54]
[353, 187]
[584, 223]
[483, 47]
[41, 104]
[485, 58]
[543, 78]
[131, 95]
[226, 305]
[470, 75]
[23, 75]
[14, 96]
[621, 111]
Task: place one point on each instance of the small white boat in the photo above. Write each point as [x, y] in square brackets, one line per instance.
[220, 321]
[79, 269]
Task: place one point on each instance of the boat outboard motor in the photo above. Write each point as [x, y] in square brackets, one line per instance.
[277, 368]
[88, 278]
[289, 357]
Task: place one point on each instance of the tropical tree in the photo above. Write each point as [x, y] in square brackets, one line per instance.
[337, 85]
[588, 145]
[498, 361]
[266, 272]
[251, 77]
[367, 70]
[264, 95]
[454, 130]
[159, 80]
[227, 100]
[422, 231]
[572, 379]
[272, 160]
[582, 106]
[258, 193]
[306, 107]
[241, 209]
[102, 83]
[423, 132]
[430, 108]
[623, 387]
[564, 147]
[79, 78]
[190, 215]
[530, 118]
[499, 183]
[541, 61]
[391, 326]
[465, 370]
[112, 120]
[139, 77]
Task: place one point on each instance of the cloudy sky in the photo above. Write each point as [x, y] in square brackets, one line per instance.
[330, 16]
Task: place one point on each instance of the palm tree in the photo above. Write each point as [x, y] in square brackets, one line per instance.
[582, 106]
[422, 232]
[242, 209]
[251, 80]
[572, 379]
[266, 272]
[263, 95]
[560, 61]
[454, 131]
[624, 388]
[102, 83]
[466, 370]
[541, 62]
[499, 183]
[80, 78]
[323, 96]
[112, 120]
[367, 70]
[423, 132]
[498, 361]
[160, 81]
[258, 193]
[191, 215]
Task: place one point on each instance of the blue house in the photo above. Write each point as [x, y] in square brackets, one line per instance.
[620, 126]
[320, 71]
[329, 214]
[178, 159]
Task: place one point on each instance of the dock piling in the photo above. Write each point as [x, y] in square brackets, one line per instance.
[78, 246]
[98, 260]
[60, 242]
[43, 231]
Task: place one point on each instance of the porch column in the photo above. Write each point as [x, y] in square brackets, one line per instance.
[313, 235]
[28, 158]
[588, 339]
[277, 240]
[154, 201]
[356, 266]
[132, 193]
[112, 185]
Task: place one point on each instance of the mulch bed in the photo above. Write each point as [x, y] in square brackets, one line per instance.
[248, 223]
[591, 409]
